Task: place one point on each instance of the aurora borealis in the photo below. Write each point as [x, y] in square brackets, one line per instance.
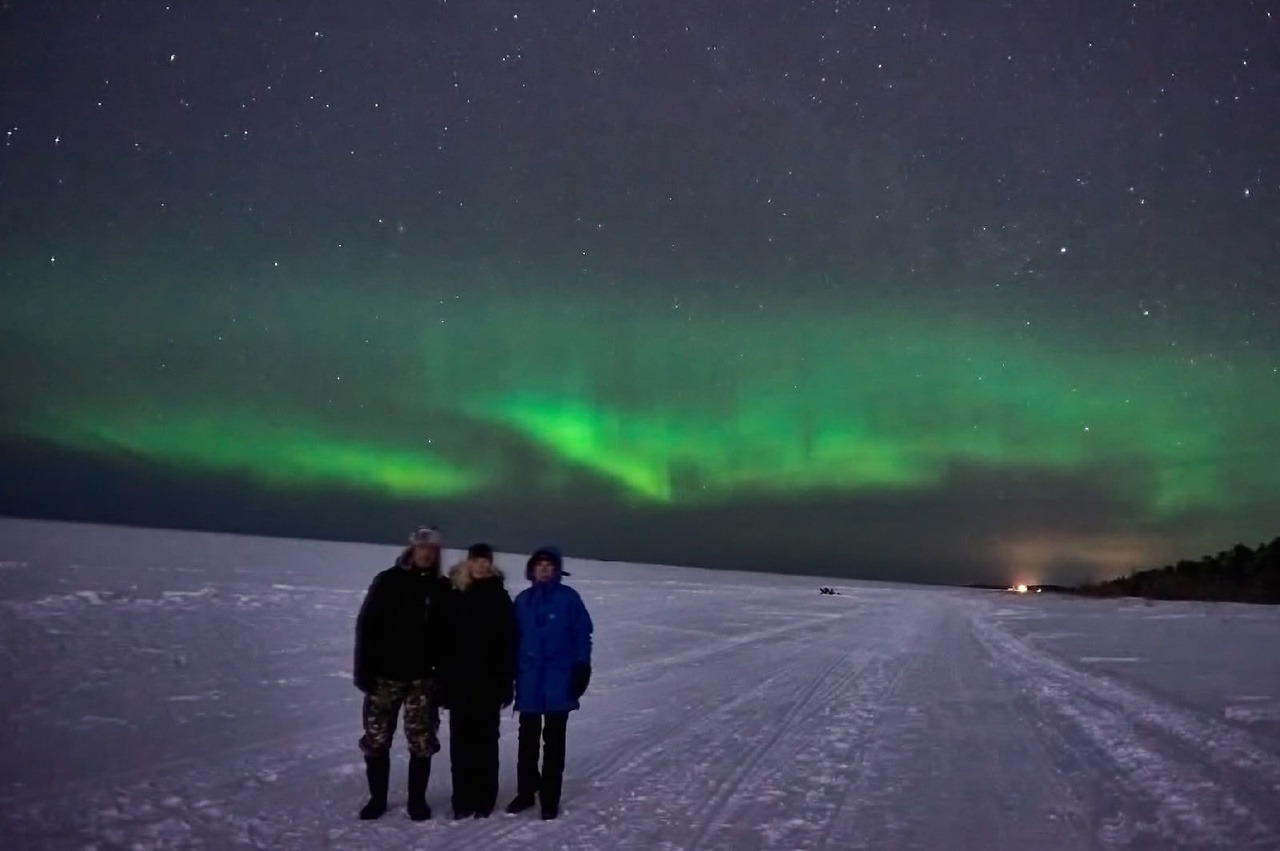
[527, 304]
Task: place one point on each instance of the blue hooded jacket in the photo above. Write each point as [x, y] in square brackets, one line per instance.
[555, 634]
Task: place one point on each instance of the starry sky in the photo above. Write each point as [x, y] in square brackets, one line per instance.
[944, 292]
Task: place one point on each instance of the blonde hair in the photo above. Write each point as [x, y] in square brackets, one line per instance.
[462, 577]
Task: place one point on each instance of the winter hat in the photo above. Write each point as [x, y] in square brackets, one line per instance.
[480, 551]
[426, 535]
[552, 554]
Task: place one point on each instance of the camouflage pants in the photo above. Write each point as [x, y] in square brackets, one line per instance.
[421, 717]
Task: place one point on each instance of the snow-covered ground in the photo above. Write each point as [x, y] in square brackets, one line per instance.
[174, 690]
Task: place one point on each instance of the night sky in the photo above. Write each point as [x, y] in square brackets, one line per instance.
[964, 291]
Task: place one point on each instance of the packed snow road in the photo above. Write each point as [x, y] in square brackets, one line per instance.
[169, 690]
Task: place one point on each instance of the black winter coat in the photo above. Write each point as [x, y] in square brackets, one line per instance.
[400, 626]
[478, 665]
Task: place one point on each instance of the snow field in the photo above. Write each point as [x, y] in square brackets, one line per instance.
[174, 690]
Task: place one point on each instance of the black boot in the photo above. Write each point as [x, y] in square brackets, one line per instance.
[377, 769]
[462, 806]
[419, 775]
[520, 803]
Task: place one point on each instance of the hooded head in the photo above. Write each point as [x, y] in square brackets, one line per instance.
[550, 553]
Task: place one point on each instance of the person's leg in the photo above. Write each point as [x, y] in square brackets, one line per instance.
[528, 778]
[488, 726]
[553, 736]
[380, 713]
[421, 726]
[464, 721]
[458, 759]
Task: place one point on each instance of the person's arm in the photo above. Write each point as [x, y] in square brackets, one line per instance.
[364, 664]
[439, 631]
[515, 641]
[581, 629]
[508, 641]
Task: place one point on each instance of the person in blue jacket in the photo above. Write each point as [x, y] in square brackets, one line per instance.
[553, 670]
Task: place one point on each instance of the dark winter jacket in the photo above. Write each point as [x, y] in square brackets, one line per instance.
[399, 628]
[554, 644]
[477, 665]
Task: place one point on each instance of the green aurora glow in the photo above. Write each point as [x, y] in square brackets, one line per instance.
[232, 442]
[666, 405]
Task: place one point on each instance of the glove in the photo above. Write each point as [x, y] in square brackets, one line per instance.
[365, 684]
[580, 678]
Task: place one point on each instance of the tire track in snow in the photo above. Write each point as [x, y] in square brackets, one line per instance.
[675, 721]
[740, 775]
[814, 764]
[874, 696]
[1141, 738]
[951, 738]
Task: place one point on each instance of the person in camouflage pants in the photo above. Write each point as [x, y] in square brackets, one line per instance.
[398, 646]
[382, 708]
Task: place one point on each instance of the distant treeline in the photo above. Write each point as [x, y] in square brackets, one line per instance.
[1240, 575]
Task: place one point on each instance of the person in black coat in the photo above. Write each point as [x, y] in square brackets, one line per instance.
[398, 641]
[476, 676]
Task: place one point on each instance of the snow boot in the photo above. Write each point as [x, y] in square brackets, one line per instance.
[419, 776]
[550, 812]
[521, 803]
[377, 770]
